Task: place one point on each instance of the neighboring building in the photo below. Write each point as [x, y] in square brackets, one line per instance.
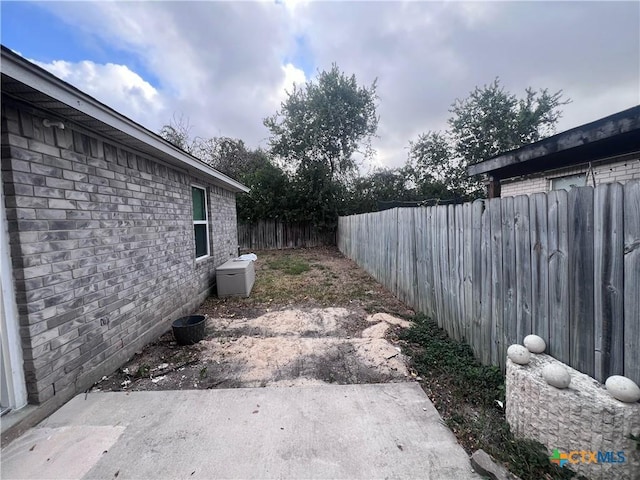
[604, 151]
[108, 234]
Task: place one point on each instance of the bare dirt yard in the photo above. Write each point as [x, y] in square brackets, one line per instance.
[313, 317]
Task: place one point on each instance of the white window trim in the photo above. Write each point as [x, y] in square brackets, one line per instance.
[204, 222]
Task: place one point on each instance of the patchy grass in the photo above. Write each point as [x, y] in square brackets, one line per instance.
[465, 394]
[315, 277]
[289, 264]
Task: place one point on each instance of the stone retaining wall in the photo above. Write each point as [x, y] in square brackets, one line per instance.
[580, 419]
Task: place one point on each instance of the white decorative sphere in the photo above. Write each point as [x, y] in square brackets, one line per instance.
[623, 388]
[518, 354]
[556, 375]
[534, 343]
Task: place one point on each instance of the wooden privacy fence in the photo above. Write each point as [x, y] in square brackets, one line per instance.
[563, 265]
[272, 235]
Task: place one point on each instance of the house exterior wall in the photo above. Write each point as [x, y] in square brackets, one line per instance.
[605, 171]
[102, 249]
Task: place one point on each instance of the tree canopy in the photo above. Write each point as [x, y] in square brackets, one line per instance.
[316, 133]
[486, 123]
[325, 122]
[309, 173]
[491, 120]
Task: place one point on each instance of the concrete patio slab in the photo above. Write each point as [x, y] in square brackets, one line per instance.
[327, 431]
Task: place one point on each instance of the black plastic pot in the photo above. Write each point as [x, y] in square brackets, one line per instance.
[189, 330]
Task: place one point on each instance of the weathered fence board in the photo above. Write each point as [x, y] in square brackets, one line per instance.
[523, 266]
[485, 298]
[274, 235]
[392, 268]
[632, 280]
[581, 314]
[609, 281]
[406, 253]
[450, 274]
[563, 265]
[436, 287]
[539, 266]
[498, 349]
[459, 272]
[509, 272]
[477, 208]
[422, 261]
[558, 236]
[468, 272]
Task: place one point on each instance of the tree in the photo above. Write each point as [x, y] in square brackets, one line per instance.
[325, 123]
[269, 185]
[269, 196]
[488, 122]
[229, 156]
[382, 185]
[491, 121]
[316, 133]
[178, 132]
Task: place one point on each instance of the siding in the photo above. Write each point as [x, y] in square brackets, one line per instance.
[604, 171]
[102, 248]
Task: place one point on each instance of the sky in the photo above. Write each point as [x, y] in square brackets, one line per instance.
[225, 66]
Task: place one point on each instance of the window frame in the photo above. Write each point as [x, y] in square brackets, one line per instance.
[204, 222]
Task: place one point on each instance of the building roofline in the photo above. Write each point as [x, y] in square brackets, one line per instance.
[21, 70]
[610, 136]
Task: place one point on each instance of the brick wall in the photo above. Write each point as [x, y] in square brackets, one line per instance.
[102, 248]
[621, 171]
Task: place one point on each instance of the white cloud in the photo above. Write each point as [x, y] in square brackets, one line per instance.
[114, 85]
[226, 65]
[292, 75]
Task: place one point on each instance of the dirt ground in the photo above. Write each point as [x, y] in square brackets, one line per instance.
[313, 317]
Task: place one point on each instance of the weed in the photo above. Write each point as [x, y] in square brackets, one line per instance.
[143, 370]
[203, 372]
[465, 394]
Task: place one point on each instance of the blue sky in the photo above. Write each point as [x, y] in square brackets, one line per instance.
[57, 40]
[302, 56]
[225, 66]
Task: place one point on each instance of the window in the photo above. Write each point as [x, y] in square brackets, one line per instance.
[200, 221]
[569, 182]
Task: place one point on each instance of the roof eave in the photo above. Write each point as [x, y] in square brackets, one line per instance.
[603, 130]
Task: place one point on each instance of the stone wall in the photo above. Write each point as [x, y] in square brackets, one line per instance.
[579, 419]
[622, 171]
[102, 248]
